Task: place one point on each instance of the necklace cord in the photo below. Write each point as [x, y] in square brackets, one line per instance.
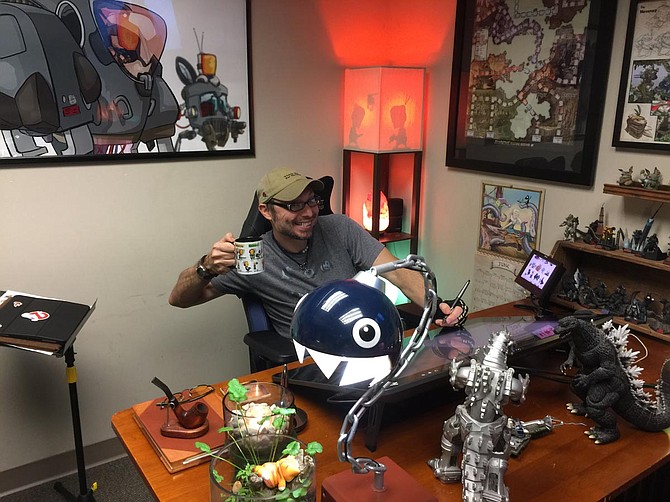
[291, 256]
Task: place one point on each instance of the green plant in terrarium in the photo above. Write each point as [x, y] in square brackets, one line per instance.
[255, 417]
[266, 463]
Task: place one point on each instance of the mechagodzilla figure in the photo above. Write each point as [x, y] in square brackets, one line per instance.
[479, 428]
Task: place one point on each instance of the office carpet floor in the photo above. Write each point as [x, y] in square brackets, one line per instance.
[118, 481]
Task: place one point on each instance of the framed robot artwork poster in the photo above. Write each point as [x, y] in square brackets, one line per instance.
[511, 220]
[90, 80]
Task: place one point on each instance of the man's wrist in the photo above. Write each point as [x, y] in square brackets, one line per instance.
[461, 318]
[203, 272]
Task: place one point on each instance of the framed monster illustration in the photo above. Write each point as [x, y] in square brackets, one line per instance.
[643, 108]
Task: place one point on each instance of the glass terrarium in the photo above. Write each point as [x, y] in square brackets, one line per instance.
[257, 408]
[264, 467]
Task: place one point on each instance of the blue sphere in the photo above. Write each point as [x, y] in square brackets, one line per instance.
[349, 319]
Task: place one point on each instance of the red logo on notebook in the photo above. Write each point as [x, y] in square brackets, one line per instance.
[36, 315]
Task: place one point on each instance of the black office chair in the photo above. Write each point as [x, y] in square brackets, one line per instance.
[267, 348]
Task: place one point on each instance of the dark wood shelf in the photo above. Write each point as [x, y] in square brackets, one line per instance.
[616, 268]
[394, 237]
[381, 172]
[618, 255]
[662, 194]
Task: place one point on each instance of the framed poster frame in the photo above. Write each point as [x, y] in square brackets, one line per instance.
[532, 110]
[141, 80]
[643, 106]
[510, 220]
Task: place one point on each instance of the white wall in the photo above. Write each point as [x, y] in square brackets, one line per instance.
[122, 232]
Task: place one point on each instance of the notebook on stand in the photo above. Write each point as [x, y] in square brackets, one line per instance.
[47, 325]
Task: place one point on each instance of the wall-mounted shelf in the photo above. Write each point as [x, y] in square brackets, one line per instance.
[662, 194]
[616, 268]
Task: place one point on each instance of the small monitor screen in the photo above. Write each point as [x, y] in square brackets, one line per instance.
[539, 275]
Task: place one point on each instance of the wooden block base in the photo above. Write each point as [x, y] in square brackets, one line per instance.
[399, 486]
[174, 430]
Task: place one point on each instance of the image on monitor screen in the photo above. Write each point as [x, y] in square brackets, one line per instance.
[539, 275]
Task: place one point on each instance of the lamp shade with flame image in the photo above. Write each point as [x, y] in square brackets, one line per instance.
[384, 217]
[383, 109]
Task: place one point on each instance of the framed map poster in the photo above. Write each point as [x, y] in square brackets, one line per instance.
[643, 109]
[527, 87]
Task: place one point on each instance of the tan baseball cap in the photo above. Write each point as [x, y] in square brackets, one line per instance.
[284, 184]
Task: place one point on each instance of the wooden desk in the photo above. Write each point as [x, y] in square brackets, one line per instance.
[564, 465]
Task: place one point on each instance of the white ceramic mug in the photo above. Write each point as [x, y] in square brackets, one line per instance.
[249, 255]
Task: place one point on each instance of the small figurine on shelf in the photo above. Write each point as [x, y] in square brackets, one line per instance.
[586, 297]
[650, 180]
[665, 313]
[600, 228]
[660, 323]
[591, 235]
[569, 289]
[626, 178]
[617, 301]
[600, 294]
[636, 238]
[637, 309]
[621, 240]
[651, 251]
[570, 223]
[608, 240]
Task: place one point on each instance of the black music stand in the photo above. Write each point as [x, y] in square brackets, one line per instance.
[85, 492]
[16, 337]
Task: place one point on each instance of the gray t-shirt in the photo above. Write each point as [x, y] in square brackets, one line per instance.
[338, 249]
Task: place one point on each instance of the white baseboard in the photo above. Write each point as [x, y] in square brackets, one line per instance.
[58, 466]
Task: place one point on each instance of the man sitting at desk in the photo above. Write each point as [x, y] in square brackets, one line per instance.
[302, 251]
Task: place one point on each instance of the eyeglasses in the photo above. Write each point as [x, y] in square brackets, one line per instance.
[295, 207]
[189, 395]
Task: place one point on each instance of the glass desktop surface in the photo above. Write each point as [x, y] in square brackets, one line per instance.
[433, 359]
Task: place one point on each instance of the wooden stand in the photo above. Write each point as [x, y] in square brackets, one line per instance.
[174, 430]
[380, 182]
[399, 486]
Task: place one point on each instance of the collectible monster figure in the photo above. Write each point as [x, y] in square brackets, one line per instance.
[479, 428]
[608, 380]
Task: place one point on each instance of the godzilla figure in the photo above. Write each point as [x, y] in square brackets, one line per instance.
[608, 382]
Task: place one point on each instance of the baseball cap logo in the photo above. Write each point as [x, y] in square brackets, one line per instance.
[36, 315]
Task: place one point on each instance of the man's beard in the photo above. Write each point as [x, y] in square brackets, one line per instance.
[287, 231]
